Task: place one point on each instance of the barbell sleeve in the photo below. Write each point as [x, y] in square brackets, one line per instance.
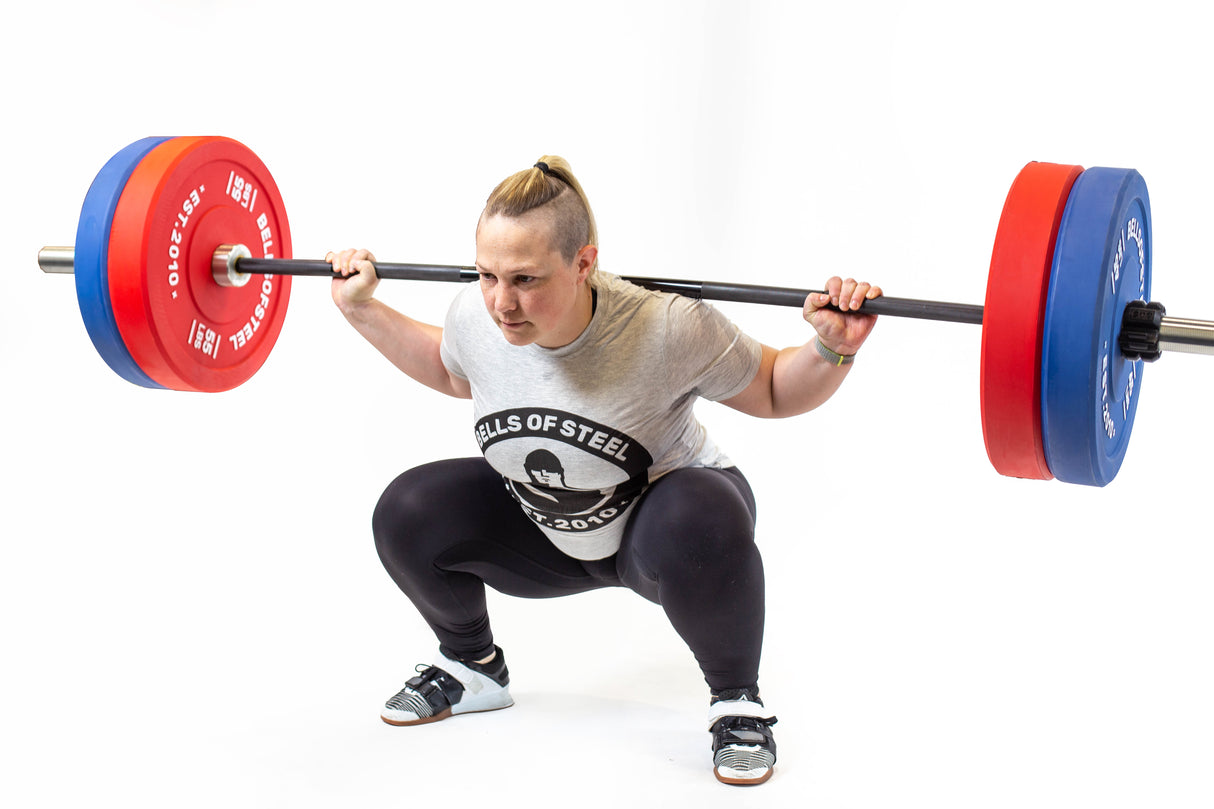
[1186, 336]
[57, 259]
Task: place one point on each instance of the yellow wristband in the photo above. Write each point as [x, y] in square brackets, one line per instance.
[830, 356]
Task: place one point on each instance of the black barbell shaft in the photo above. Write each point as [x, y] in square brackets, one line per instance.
[1172, 333]
[705, 290]
[386, 271]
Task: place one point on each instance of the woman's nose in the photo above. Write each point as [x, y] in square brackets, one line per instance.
[504, 299]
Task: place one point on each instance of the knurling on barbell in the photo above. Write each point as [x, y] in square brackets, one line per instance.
[183, 265]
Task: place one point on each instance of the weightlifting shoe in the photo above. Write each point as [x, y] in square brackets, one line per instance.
[743, 747]
[450, 687]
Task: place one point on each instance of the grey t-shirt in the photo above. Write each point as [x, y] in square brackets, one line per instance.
[578, 432]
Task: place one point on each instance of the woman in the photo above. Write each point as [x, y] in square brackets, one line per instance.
[583, 386]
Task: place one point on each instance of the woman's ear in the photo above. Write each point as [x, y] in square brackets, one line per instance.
[586, 257]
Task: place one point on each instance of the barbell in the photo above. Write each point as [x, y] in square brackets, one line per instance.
[183, 268]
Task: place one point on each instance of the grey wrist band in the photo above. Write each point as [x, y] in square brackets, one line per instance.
[831, 356]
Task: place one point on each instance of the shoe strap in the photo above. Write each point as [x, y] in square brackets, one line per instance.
[435, 684]
[744, 731]
[471, 679]
[740, 707]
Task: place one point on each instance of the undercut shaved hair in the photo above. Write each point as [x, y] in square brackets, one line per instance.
[550, 190]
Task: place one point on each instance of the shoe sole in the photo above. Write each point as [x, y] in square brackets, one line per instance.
[438, 717]
[744, 782]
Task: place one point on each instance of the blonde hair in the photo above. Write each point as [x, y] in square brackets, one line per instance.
[550, 188]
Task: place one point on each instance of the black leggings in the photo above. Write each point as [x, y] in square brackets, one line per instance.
[446, 529]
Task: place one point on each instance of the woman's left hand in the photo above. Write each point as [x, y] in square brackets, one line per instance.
[844, 331]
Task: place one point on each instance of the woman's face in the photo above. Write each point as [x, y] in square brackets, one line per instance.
[530, 291]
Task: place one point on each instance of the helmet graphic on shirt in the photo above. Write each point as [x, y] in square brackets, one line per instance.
[544, 468]
[547, 491]
[568, 473]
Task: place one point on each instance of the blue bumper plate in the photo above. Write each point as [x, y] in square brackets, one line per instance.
[1089, 390]
[92, 248]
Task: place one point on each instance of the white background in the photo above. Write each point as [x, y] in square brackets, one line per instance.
[193, 612]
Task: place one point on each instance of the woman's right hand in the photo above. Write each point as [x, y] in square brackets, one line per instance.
[356, 280]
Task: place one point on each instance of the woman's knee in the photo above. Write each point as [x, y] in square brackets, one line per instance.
[701, 519]
[411, 514]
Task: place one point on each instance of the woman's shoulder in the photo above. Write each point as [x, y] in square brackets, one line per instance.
[669, 305]
[627, 293]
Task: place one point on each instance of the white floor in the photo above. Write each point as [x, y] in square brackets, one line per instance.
[906, 669]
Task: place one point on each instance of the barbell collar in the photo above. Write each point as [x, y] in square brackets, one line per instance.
[224, 265]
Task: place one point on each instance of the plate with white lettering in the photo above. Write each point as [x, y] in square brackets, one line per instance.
[1089, 389]
[187, 197]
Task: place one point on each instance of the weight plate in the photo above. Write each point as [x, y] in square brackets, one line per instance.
[92, 247]
[183, 200]
[1013, 315]
[1089, 388]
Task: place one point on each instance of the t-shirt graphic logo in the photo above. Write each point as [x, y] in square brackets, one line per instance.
[567, 472]
[548, 491]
